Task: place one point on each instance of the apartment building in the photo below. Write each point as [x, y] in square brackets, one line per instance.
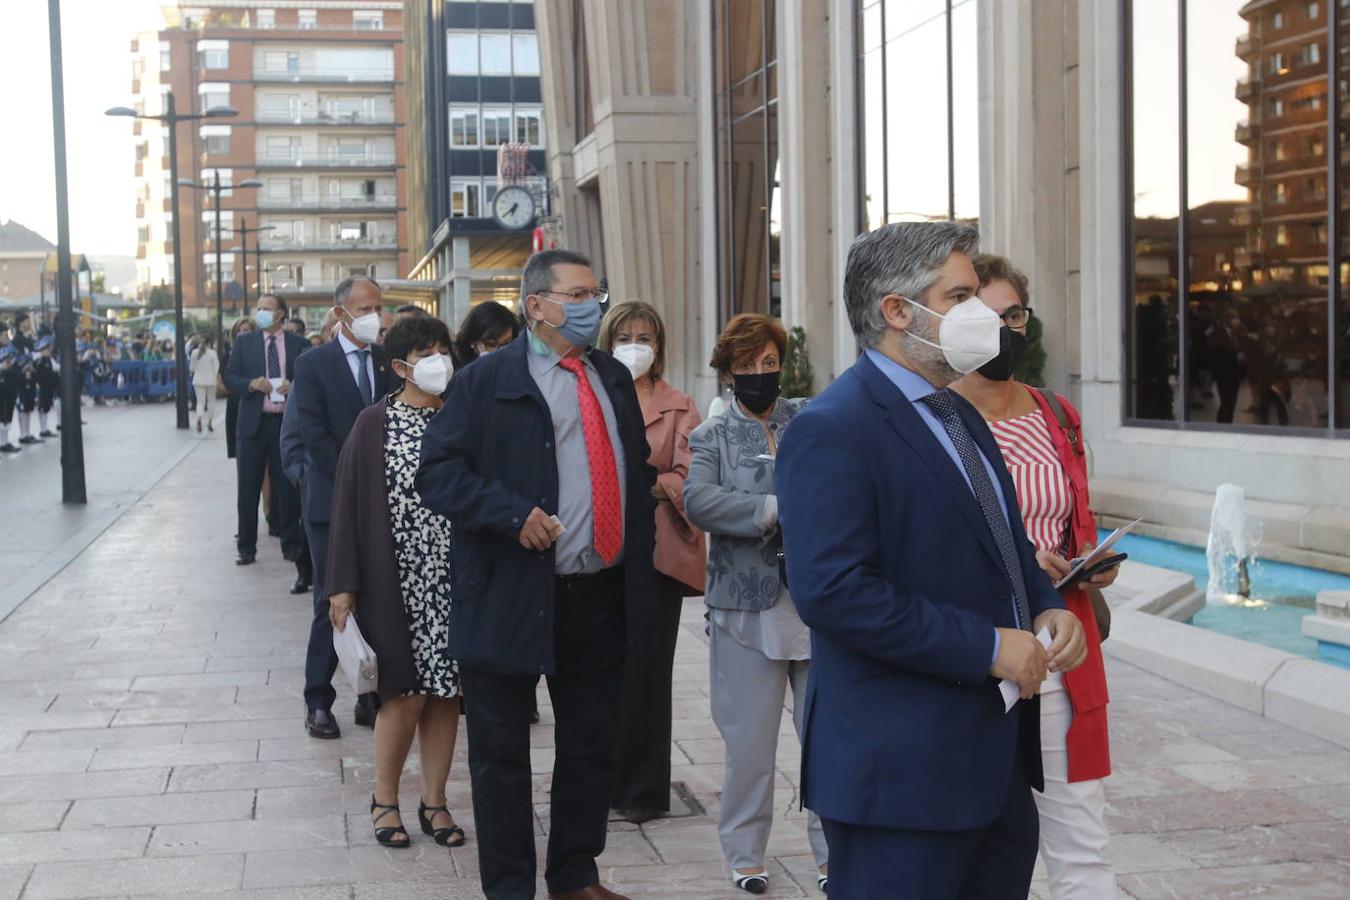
[473, 86]
[319, 95]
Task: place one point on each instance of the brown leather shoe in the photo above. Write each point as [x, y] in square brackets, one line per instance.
[593, 892]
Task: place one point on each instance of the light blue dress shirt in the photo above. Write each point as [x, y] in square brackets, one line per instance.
[915, 387]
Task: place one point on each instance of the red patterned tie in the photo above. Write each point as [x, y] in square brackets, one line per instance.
[607, 513]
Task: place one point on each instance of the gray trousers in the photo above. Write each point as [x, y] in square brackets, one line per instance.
[747, 706]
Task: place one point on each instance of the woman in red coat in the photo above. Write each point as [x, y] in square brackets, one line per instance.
[1048, 465]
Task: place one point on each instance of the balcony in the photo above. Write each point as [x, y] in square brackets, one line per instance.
[1243, 50]
[323, 117]
[321, 202]
[327, 161]
[1245, 132]
[329, 245]
[1246, 88]
[1243, 216]
[1244, 175]
[325, 75]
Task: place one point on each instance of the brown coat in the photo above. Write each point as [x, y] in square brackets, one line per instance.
[361, 556]
[681, 549]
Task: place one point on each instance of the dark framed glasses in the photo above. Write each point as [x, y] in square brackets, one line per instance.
[1016, 317]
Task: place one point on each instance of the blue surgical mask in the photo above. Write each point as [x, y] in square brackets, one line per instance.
[265, 318]
[581, 322]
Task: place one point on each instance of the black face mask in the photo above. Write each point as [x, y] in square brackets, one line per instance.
[756, 392]
[1011, 346]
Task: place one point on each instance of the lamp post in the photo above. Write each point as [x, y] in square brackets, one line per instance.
[244, 232]
[171, 117]
[72, 438]
[215, 187]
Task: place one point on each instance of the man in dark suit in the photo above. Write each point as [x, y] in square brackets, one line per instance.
[333, 383]
[260, 371]
[907, 558]
[539, 461]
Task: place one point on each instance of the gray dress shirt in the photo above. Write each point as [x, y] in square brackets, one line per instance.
[575, 550]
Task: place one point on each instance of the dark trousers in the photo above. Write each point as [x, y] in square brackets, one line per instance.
[589, 635]
[989, 863]
[258, 453]
[642, 764]
[9, 397]
[304, 566]
[321, 659]
[231, 422]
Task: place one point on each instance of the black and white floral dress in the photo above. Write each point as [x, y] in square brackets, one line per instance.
[422, 545]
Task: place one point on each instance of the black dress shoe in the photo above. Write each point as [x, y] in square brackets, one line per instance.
[301, 586]
[30, 440]
[245, 559]
[9, 448]
[321, 724]
[365, 713]
[46, 434]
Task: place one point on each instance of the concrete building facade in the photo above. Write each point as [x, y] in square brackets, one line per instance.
[720, 155]
[319, 91]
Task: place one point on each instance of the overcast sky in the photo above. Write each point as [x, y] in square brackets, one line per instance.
[100, 156]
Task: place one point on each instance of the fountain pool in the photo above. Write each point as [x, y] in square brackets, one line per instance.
[1281, 594]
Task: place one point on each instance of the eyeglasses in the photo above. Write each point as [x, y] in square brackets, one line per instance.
[1016, 317]
[581, 295]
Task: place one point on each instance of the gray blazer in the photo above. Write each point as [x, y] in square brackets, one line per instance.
[729, 494]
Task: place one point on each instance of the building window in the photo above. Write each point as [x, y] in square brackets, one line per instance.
[281, 148]
[1314, 10]
[366, 20]
[1277, 64]
[902, 179]
[494, 54]
[529, 127]
[267, 19]
[165, 56]
[1231, 315]
[464, 127]
[496, 127]
[464, 198]
[308, 19]
[213, 54]
[461, 52]
[215, 140]
[524, 54]
[213, 94]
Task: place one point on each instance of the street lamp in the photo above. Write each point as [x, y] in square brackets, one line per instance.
[215, 188]
[171, 118]
[244, 232]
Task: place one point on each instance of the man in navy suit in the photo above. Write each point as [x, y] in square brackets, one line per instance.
[260, 372]
[907, 558]
[333, 383]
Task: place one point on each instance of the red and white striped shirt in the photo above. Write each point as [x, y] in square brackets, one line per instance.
[1043, 490]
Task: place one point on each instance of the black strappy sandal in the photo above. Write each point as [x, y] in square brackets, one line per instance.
[446, 837]
[385, 836]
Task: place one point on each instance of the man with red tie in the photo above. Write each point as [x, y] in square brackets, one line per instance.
[539, 460]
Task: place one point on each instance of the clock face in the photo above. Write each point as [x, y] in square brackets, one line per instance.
[513, 207]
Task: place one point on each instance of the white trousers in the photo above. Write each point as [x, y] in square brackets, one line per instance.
[206, 402]
[1073, 816]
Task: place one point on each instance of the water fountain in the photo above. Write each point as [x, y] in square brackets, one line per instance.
[1231, 548]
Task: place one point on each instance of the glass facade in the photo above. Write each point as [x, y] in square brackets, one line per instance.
[918, 111]
[745, 82]
[1236, 182]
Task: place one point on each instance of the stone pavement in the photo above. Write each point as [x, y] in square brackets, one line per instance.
[126, 450]
[151, 744]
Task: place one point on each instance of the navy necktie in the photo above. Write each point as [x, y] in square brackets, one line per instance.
[273, 359]
[363, 377]
[942, 403]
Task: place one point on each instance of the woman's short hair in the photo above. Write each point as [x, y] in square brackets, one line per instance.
[744, 337]
[488, 319]
[989, 267]
[413, 334]
[623, 313]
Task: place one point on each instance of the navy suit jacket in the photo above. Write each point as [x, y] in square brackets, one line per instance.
[895, 571]
[327, 404]
[248, 361]
[487, 460]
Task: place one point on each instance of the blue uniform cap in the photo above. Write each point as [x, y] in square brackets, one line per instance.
[44, 342]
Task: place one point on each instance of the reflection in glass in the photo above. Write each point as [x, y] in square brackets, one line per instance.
[1152, 323]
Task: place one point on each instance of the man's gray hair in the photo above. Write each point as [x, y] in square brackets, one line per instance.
[901, 258]
[538, 274]
[344, 288]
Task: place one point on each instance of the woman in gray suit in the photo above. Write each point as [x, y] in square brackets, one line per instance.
[759, 645]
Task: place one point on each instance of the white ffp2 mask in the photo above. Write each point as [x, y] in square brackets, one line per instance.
[366, 328]
[432, 373]
[637, 357]
[968, 336]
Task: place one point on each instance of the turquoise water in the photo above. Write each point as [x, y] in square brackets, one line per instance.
[1282, 594]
